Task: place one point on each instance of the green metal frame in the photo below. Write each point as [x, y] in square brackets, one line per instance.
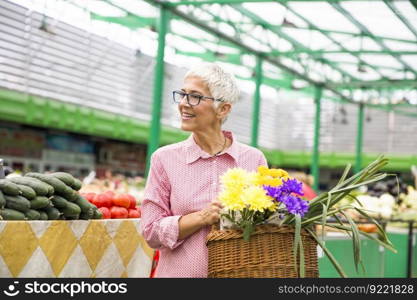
[26, 108]
[256, 102]
[315, 164]
[153, 142]
[48, 113]
[359, 139]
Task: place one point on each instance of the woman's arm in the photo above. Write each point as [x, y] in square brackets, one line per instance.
[193, 222]
[159, 226]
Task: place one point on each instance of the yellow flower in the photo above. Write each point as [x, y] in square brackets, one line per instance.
[256, 199]
[273, 181]
[274, 172]
[231, 199]
[236, 178]
[263, 170]
[257, 179]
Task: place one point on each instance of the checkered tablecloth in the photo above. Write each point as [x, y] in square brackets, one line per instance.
[79, 248]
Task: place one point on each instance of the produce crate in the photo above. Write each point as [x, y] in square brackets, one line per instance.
[78, 248]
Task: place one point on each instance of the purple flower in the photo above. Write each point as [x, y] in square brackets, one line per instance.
[292, 186]
[295, 205]
[285, 193]
[273, 191]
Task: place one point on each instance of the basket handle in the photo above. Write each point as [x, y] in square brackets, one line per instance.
[215, 226]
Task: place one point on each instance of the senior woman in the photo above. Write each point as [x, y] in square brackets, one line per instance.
[180, 196]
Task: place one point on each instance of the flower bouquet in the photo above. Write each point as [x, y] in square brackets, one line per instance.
[271, 228]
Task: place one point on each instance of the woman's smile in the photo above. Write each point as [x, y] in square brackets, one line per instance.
[186, 116]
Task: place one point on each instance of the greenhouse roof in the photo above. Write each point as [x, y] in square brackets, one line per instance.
[359, 51]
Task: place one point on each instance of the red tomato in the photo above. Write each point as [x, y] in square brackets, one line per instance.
[102, 200]
[118, 212]
[105, 211]
[139, 211]
[133, 213]
[110, 194]
[132, 201]
[121, 200]
[88, 196]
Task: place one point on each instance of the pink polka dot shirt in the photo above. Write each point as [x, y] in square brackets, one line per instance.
[185, 179]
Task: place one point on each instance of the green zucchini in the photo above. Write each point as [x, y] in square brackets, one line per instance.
[40, 188]
[53, 213]
[9, 188]
[57, 184]
[27, 191]
[71, 210]
[59, 202]
[32, 214]
[66, 178]
[2, 200]
[97, 214]
[43, 215]
[11, 214]
[39, 202]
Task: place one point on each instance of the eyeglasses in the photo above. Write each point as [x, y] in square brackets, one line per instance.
[192, 99]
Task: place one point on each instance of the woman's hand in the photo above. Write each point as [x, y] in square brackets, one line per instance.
[193, 222]
[211, 214]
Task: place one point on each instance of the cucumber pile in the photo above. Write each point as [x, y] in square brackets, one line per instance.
[38, 196]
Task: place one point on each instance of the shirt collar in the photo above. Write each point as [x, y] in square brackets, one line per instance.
[194, 152]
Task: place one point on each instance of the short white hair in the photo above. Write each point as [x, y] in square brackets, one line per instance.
[222, 85]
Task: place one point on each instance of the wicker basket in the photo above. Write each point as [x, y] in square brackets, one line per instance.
[268, 253]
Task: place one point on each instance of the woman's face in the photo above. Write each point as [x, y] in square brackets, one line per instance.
[201, 116]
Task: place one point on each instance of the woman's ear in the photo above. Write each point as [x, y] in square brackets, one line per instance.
[224, 110]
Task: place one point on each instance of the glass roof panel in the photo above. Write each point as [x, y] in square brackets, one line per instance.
[382, 21]
[278, 43]
[408, 11]
[341, 57]
[411, 60]
[270, 12]
[323, 15]
[382, 60]
[311, 39]
[367, 74]
[375, 15]
[140, 8]
[400, 46]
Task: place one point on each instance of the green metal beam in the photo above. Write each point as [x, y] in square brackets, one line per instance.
[130, 20]
[363, 28]
[244, 47]
[352, 34]
[359, 139]
[353, 52]
[296, 44]
[208, 2]
[256, 102]
[315, 162]
[378, 66]
[153, 143]
[276, 30]
[211, 56]
[414, 3]
[32, 110]
[405, 83]
[344, 50]
[391, 6]
[50, 113]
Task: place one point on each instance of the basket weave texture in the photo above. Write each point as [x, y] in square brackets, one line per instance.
[268, 253]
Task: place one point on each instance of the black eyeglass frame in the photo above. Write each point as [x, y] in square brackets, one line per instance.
[199, 97]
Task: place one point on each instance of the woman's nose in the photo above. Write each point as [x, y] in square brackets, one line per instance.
[183, 101]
